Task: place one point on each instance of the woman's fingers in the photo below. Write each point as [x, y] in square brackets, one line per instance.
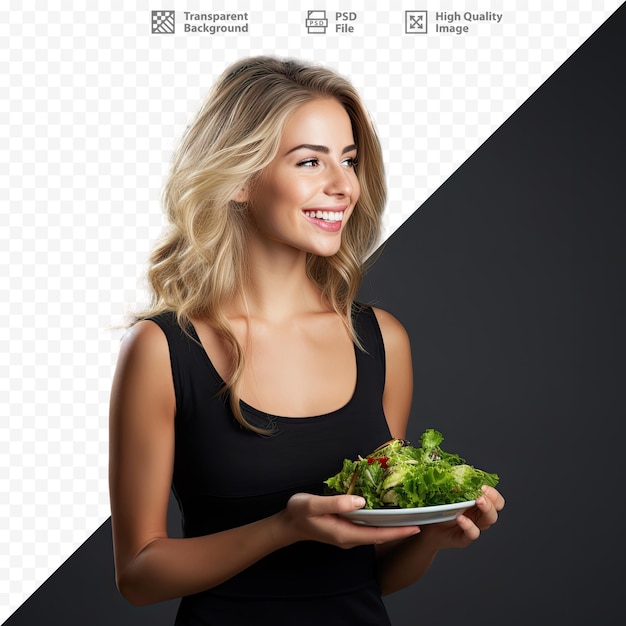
[319, 517]
[325, 505]
[494, 496]
[469, 527]
[484, 514]
[489, 504]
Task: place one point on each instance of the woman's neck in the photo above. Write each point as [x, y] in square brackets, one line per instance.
[277, 287]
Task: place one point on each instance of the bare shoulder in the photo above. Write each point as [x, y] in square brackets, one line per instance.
[398, 393]
[144, 342]
[394, 334]
[144, 363]
[144, 335]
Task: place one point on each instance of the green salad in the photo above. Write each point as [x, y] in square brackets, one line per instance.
[400, 476]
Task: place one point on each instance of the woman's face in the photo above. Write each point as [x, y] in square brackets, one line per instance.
[305, 196]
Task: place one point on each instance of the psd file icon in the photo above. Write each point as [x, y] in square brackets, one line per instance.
[316, 22]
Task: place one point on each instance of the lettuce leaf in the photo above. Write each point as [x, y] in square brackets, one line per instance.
[397, 474]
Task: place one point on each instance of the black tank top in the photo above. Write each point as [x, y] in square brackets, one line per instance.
[226, 476]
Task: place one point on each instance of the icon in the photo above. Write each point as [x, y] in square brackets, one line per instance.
[415, 22]
[163, 22]
[316, 22]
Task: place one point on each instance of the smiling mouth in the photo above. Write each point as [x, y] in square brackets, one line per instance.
[327, 216]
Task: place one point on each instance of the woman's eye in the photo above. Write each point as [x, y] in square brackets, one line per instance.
[308, 163]
[315, 162]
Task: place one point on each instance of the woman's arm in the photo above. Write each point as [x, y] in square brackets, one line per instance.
[398, 392]
[150, 567]
[403, 562]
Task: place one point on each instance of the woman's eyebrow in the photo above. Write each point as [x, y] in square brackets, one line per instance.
[318, 148]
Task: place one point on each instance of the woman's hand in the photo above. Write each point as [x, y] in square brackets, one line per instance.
[467, 527]
[403, 563]
[316, 518]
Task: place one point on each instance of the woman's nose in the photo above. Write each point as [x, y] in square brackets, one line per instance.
[339, 181]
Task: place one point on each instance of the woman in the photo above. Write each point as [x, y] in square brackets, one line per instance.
[254, 373]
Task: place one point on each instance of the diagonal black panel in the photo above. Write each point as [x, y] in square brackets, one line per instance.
[82, 591]
[509, 280]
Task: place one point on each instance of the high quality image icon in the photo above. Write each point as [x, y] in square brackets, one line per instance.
[415, 22]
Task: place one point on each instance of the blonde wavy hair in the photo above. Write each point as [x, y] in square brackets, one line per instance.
[199, 265]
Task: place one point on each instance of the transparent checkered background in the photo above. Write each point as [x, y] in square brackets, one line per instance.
[92, 106]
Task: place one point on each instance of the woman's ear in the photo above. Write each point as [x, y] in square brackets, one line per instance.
[242, 195]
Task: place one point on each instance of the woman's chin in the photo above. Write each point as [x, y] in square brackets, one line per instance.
[324, 251]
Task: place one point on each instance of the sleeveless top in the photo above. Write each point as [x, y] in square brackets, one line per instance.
[225, 476]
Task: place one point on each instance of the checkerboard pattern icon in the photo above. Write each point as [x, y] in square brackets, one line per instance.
[163, 22]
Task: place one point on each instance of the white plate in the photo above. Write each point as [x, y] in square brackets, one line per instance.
[408, 517]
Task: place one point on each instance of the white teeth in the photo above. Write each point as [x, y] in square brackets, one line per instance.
[328, 216]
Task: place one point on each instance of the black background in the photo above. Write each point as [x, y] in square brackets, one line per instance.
[510, 282]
